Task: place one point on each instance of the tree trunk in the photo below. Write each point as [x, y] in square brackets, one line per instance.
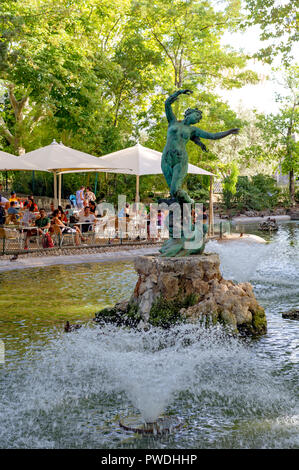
[292, 187]
[16, 139]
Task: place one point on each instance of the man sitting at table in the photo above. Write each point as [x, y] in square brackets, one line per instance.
[42, 224]
[87, 220]
[13, 212]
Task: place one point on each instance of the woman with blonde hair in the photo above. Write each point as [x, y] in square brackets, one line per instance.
[65, 229]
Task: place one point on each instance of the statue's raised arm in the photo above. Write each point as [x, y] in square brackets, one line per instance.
[171, 99]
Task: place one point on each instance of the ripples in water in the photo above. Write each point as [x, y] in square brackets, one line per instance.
[70, 390]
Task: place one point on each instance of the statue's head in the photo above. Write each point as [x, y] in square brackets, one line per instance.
[192, 115]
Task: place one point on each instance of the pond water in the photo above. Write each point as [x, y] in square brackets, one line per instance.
[62, 390]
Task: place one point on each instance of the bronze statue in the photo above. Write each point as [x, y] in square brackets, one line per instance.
[175, 167]
[175, 158]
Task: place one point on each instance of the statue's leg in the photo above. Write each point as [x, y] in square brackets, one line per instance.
[167, 172]
[180, 171]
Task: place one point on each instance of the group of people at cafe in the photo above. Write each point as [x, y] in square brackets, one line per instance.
[79, 217]
[36, 221]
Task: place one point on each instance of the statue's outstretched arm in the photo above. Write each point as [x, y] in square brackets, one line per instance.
[171, 99]
[196, 132]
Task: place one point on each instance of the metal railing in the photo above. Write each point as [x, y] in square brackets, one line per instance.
[12, 237]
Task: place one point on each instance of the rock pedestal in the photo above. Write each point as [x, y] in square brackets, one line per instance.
[292, 314]
[189, 289]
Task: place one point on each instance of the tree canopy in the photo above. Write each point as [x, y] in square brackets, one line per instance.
[95, 73]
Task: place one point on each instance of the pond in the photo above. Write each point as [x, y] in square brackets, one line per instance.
[61, 390]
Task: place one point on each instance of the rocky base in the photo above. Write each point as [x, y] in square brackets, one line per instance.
[191, 289]
[294, 214]
[291, 314]
[268, 225]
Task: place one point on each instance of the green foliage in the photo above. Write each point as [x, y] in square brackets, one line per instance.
[277, 20]
[94, 75]
[278, 131]
[284, 198]
[256, 193]
[198, 187]
[229, 186]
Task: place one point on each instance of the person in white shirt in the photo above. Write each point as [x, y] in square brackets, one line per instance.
[87, 220]
[3, 200]
[80, 197]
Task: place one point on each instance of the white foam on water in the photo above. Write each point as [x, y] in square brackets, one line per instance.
[243, 261]
[146, 370]
[239, 259]
[96, 372]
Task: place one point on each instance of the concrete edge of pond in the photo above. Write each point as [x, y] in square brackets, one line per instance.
[100, 257]
[253, 220]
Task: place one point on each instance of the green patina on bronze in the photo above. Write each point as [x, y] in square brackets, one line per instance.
[175, 168]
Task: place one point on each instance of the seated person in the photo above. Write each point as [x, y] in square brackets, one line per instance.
[13, 212]
[30, 202]
[87, 219]
[62, 216]
[92, 208]
[14, 198]
[65, 229]
[3, 201]
[27, 203]
[42, 224]
[125, 211]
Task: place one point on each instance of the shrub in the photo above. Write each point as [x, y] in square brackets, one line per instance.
[284, 198]
[258, 193]
[229, 187]
[198, 187]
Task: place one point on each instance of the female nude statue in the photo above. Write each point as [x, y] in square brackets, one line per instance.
[175, 158]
